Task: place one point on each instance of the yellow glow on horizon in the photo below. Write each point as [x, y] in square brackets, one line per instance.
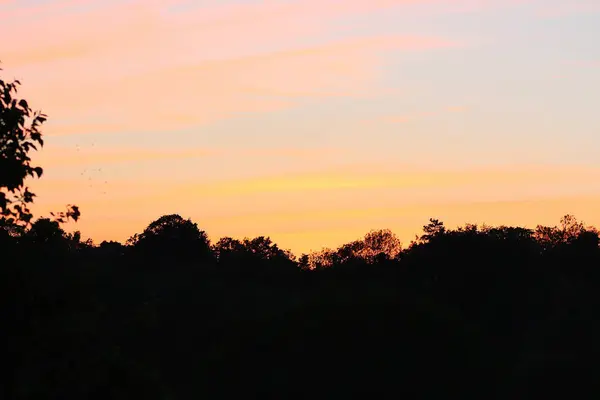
[311, 210]
[303, 232]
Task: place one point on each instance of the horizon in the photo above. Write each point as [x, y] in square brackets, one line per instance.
[311, 122]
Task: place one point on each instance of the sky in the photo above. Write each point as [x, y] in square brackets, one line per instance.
[311, 121]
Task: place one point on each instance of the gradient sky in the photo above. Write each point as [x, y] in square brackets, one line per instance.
[311, 121]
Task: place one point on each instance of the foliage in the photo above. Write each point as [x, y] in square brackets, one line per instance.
[174, 237]
[434, 229]
[261, 253]
[471, 308]
[19, 135]
[45, 231]
[568, 231]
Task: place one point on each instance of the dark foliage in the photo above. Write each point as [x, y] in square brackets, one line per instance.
[19, 134]
[492, 312]
[171, 240]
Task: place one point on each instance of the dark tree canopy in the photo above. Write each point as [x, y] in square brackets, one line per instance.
[173, 237]
[45, 230]
[258, 255]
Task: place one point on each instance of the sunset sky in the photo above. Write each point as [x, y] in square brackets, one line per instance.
[311, 121]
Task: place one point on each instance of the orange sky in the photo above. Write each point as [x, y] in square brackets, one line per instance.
[311, 121]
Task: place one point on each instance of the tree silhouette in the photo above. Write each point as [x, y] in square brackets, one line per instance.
[568, 231]
[19, 134]
[323, 259]
[226, 249]
[264, 249]
[172, 238]
[376, 246]
[45, 231]
[381, 244]
[252, 257]
[111, 249]
[434, 229]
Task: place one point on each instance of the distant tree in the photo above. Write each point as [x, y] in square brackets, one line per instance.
[111, 248]
[227, 249]
[508, 233]
[571, 227]
[322, 259]
[133, 240]
[171, 238]
[381, 244]
[45, 237]
[469, 228]
[304, 262]
[46, 231]
[264, 248]
[568, 231]
[435, 228]
[19, 134]
[376, 246]
[260, 252]
[352, 252]
[76, 244]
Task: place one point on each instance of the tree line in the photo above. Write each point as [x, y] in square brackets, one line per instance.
[174, 240]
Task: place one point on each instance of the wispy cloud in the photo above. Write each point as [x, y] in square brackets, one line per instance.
[363, 181]
[365, 178]
[154, 68]
[78, 156]
[201, 93]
